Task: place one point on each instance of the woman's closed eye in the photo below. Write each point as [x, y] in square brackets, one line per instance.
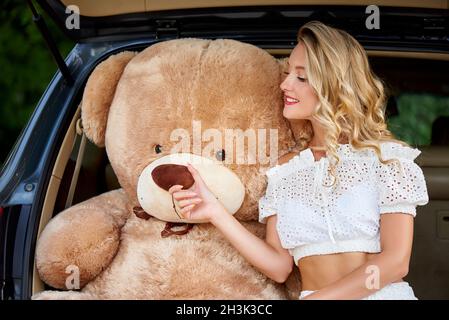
[302, 79]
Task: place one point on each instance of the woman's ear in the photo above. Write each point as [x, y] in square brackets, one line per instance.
[98, 95]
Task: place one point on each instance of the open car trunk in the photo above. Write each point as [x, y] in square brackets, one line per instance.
[411, 77]
[410, 53]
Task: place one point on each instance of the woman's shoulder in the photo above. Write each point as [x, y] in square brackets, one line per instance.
[398, 150]
[390, 149]
[295, 160]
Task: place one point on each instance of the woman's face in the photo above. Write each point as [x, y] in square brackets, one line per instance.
[300, 99]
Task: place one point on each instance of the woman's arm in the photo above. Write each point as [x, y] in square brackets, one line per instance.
[396, 237]
[267, 256]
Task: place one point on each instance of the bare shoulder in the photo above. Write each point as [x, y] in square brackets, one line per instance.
[286, 157]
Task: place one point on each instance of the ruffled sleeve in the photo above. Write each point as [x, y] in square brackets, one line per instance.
[402, 186]
[268, 203]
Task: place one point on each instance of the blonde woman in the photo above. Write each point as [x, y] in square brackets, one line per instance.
[344, 206]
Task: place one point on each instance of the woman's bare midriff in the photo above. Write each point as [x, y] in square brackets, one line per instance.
[319, 271]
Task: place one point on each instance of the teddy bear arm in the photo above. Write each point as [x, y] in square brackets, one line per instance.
[82, 240]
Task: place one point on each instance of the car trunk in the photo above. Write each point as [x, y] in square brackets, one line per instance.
[411, 54]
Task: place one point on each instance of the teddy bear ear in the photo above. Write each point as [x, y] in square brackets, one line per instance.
[98, 95]
[282, 62]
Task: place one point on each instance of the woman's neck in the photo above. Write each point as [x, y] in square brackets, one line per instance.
[318, 140]
[319, 145]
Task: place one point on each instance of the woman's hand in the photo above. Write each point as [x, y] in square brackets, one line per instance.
[198, 203]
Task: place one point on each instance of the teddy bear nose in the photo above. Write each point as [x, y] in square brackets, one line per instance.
[168, 175]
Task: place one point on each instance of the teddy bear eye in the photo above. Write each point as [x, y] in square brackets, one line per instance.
[158, 148]
[220, 155]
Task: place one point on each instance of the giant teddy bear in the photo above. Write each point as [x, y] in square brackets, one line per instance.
[147, 109]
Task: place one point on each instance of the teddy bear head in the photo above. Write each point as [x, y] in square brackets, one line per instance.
[214, 103]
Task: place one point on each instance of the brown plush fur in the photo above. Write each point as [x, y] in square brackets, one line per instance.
[99, 93]
[224, 84]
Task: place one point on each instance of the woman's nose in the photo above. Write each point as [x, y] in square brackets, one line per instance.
[285, 85]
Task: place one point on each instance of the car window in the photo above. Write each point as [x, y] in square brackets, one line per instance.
[421, 119]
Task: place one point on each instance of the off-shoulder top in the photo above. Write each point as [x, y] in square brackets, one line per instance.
[313, 218]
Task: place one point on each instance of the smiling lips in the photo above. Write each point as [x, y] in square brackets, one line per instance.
[290, 101]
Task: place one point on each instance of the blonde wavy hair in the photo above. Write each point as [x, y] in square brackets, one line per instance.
[352, 100]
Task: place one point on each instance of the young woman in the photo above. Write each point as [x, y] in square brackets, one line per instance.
[344, 206]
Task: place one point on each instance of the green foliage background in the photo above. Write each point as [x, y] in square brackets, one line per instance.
[26, 67]
[417, 112]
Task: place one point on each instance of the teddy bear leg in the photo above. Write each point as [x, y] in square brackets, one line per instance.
[63, 295]
[82, 240]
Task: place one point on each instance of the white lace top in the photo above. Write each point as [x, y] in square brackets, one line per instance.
[315, 219]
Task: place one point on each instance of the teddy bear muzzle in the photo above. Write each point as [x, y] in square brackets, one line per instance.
[163, 173]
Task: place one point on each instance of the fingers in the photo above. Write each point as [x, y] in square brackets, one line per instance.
[186, 211]
[187, 202]
[179, 195]
[185, 198]
[195, 174]
[175, 188]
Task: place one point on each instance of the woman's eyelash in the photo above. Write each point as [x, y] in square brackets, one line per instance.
[299, 78]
